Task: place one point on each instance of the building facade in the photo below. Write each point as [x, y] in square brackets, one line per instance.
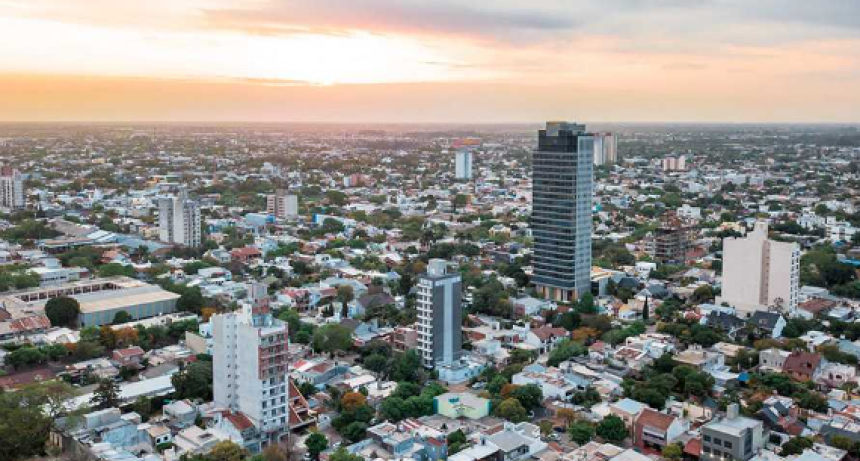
[440, 315]
[463, 167]
[11, 189]
[760, 274]
[671, 241]
[563, 177]
[605, 149]
[179, 220]
[733, 437]
[250, 365]
[282, 205]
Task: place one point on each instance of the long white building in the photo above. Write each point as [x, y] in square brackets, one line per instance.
[759, 273]
[179, 220]
[11, 189]
[251, 367]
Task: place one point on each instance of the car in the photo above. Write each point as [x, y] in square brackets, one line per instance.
[559, 429]
[479, 385]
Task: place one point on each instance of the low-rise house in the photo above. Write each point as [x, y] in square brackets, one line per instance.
[628, 410]
[836, 375]
[545, 338]
[802, 366]
[551, 381]
[769, 323]
[732, 437]
[180, 413]
[772, 359]
[653, 429]
[128, 357]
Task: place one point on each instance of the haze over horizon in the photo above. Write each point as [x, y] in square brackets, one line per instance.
[448, 61]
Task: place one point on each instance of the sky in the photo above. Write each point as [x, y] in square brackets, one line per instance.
[426, 61]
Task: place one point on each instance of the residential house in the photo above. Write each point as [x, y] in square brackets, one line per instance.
[545, 338]
[802, 366]
[653, 429]
[732, 437]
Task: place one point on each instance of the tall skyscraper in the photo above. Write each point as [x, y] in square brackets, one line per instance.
[179, 220]
[463, 165]
[11, 189]
[562, 185]
[250, 366]
[440, 315]
[605, 149]
[282, 205]
[760, 274]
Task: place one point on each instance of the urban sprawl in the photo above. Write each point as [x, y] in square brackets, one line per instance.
[570, 292]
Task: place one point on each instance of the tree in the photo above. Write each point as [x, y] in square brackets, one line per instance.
[352, 400]
[227, 451]
[612, 429]
[581, 432]
[796, 446]
[190, 300]
[194, 381]
[24, 427]
[531, 396]
[376, 363]
[565, 350]
[345, 295]
[316, 443]
[106, 394]
[331, 338]
[673, 451]
[342, 455]
[456, 442]
[63, 311]
[393, 409]
[512, 410]
[122, 317]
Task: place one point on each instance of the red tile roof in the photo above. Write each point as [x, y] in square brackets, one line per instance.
[240, 421]
[655, 419]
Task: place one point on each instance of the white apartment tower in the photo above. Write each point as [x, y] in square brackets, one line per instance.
[282, 205]
[760, 274]
[11, 189]
[179, 220]
[605, 149]
[250, 365]
[440, 315]
[463, 166]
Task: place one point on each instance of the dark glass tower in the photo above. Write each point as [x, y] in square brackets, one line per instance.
[562, 180]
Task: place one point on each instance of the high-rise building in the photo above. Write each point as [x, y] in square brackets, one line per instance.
[179, 220]
[562, 187]
[282, 205]
[250, 366]
[605, 149]
[440, 315]
[675, 163]
[11, 189]
[671, 241]
[760, 274]
[464, 164]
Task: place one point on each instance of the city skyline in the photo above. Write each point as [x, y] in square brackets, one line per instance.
[441, 62]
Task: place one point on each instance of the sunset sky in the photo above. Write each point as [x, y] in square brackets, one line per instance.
[430, 61]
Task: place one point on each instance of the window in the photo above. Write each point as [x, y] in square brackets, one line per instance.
[727, 444]
[707, 438]
[706, 449]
